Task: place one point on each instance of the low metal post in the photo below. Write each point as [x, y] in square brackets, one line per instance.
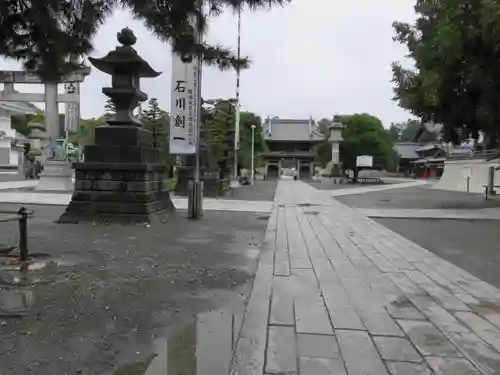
[491, 181]
[23, 234]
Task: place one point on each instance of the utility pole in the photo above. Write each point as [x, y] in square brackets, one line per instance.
[235, 182]
[252, 173]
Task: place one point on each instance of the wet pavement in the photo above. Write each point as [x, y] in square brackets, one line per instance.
[422, 197]
[338, 293]
[123, 300]
[470, 244]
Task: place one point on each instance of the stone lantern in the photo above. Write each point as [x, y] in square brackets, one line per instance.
[334, 167]
[122, 178]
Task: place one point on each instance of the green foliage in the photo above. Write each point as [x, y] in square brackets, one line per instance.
[409, 132]
[323, 153]
[323, 125]
[218, 124]
[86, 134]
[109, 109]
[247, 119]
[20, 122]
[455, 48]
[365, 135]
[47, 35]
[157, 122]
[218, 130]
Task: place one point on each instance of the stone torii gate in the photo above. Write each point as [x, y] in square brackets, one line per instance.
[56, 175]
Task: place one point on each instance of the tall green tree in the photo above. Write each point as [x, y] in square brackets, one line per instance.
[455, 48]
[219, 132]
[410, 131]
[218, 125]
[247, 119]
[45, 34]
[395, 131]
[323, 125]
[109, 109]
[85, 135]
[364, 134]
[157, 121]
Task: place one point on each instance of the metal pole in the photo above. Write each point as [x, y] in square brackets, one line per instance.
[195, 209]
[252, 174]
[237, 112]
[23, 234]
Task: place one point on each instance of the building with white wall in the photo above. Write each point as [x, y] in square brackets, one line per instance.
[9, 138]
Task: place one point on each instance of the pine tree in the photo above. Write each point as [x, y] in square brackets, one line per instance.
[109, 109]
[45, 34]
[157, 122]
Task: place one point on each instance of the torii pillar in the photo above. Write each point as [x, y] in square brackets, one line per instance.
[57, 174]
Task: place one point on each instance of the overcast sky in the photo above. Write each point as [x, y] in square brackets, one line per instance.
[311, 58]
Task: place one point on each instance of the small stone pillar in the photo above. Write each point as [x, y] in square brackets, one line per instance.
[123, 178]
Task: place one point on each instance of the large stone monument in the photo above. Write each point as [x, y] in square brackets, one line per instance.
[122, 178]
[208, 175]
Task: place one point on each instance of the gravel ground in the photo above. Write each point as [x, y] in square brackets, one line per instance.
[419, 198]
[470, 244]
[107, 293]
[259, 191]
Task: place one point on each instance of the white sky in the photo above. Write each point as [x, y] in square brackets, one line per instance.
[311, 58]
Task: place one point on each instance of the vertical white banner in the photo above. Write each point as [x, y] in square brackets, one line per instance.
[184, 105]
[72, 112]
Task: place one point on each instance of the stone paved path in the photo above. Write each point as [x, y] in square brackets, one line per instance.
[211, 204]
[463, 214]
[337, 293]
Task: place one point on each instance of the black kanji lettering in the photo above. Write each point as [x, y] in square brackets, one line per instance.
[180, 86]
[180, 103]
[180, 121]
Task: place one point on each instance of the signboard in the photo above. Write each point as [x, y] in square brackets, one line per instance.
[185, 102]
[364, 161]
[72, 114]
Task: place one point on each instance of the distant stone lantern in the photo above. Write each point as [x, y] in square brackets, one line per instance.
[122, 178]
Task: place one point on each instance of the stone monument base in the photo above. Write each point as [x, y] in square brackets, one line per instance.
[185, 174]
[56, 176]
[119, 192]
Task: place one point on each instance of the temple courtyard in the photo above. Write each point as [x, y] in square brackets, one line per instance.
[392, 279]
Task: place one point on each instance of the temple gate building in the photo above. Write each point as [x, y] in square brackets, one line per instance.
[290, 144]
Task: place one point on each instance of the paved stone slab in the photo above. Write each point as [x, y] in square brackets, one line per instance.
[481, 327]
[396, 349]
[321, 366]
[281, 256]
[324, 346]
[310, 311]
[428, 339]
[281, 351]
[333, 269]
[282, 302]
[406, 368]
[180, 203]
[452, 366]
[359, 353]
